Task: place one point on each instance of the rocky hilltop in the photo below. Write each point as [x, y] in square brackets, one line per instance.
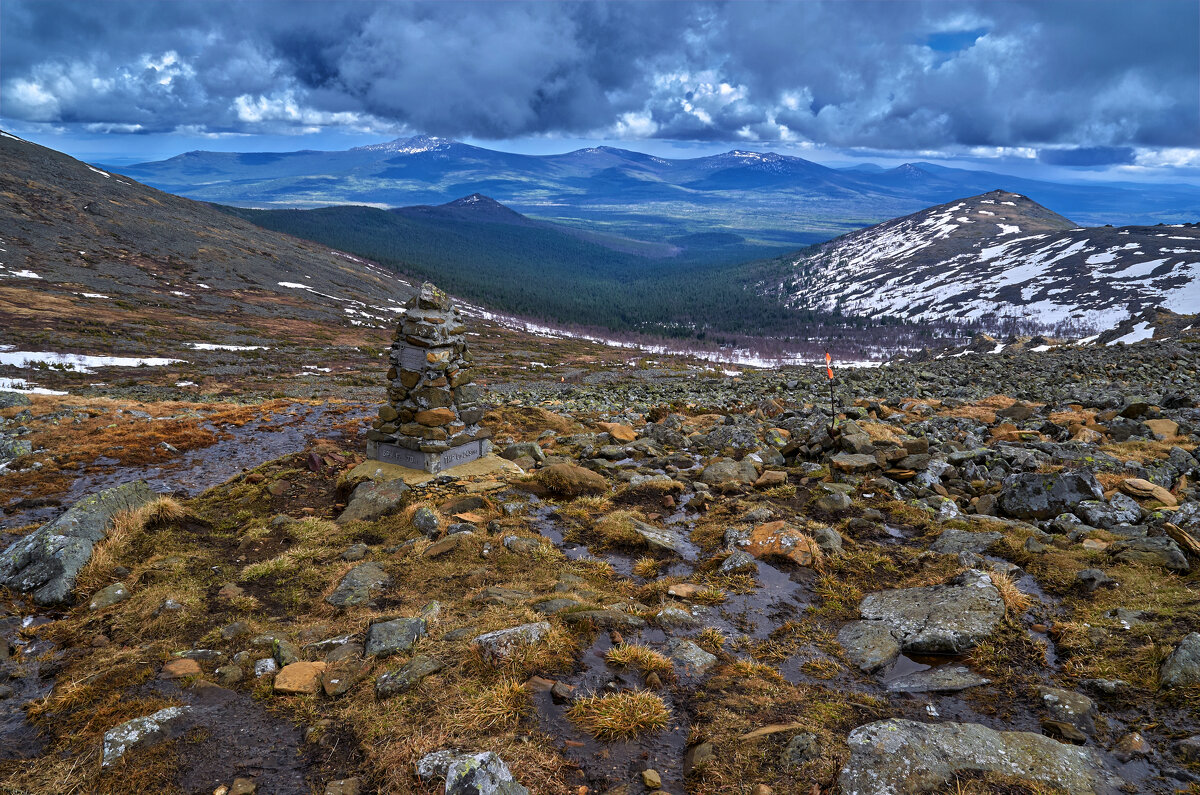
[995, 257]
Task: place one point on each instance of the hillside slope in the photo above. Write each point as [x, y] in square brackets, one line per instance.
[994, 257]
[85, 238]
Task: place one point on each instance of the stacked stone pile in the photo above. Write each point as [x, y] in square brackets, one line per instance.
[432, 415]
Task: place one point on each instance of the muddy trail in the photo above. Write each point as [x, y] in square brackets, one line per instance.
[191, 472]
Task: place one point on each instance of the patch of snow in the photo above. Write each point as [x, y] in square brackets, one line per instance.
[98, 171]
[210, 346]
[1100, 259]
[185, 383]
[78, 362]
[21, 385]
[1136, 270]
[203, 286]
[180, 293]
[25, 274]
[94, 295]
[294, 285]
[1142, 331]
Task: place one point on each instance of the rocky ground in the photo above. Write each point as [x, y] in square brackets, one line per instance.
[979, 576]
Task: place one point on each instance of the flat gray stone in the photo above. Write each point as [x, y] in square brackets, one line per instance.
[498, 646]
[359, 585]
[938, 619]
[868, 644]
[1153, 552]
[943, 679]
[401, 680]
[142, 732]
[953, 541]
[371, 501]
[1033, 495]
[394, 637]
[694, 660]
[904, 757]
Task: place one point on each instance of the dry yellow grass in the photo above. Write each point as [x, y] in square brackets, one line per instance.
[620, 716]
[1016, 601]
[641, 658]
[498, 707]
[127, 526]
[647, 567]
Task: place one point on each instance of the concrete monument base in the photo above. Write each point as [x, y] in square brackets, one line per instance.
[490, 467]
[428, 462]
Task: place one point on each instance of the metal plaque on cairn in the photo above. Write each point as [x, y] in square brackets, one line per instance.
[431, 418]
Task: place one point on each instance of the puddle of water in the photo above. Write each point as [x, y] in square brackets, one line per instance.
[18, 739]
[606, 764]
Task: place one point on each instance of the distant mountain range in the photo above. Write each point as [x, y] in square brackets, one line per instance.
[765, 198]
[995, 257]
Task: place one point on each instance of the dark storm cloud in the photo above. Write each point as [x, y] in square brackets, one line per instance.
[891, 75]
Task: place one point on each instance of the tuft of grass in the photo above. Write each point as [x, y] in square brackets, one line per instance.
[616, 528]
[1016, 601]
[710, 639]
[711, 595]
[641, 658]
[126, 527]
[752, 669]
[620, 716]
[647, 568]
[498, 707]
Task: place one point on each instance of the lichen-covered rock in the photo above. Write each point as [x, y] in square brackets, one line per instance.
[393, 637]
[1033, 495]
[938, 619]
[370, 501]
[408, 675]
[359, 585]
[1182, 666]
[140, 732]
[48, 560]
[470, 774]
[500, 645]
[868, 644]
[899, 757]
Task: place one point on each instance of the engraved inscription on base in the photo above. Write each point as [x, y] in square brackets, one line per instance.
[412, 358]
[430, 462]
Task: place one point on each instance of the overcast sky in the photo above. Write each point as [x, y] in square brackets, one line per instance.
[1099, 88]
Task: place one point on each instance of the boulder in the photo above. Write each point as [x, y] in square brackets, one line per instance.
[394, 637]
[48, 560]
[497, 647]
[1033, 495]
[1156, 551]
[903, 757]
[403, 679]
[1182, 666]
[622, 434]
[725, 474]
[141, 732]
[854, 463]
[359, 585]
[666, 539]
[780, 540]
[938, 619]
[1120, 509]
[868, 644]
[469, 774]
[568, 480]
[371, 500]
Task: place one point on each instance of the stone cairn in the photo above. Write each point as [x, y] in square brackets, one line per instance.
[431, 418]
